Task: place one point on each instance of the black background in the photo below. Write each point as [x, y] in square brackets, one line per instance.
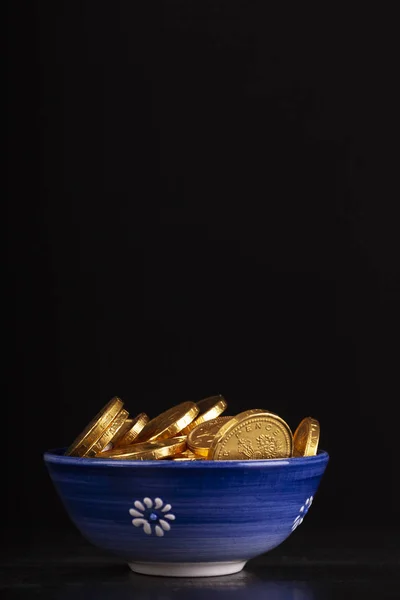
[203, 199]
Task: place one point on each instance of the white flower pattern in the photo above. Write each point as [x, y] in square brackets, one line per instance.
[152, 513]
[302, 513]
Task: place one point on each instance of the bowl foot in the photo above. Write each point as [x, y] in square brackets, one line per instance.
[193, 569]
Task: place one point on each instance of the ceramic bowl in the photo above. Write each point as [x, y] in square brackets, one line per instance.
[195, 518]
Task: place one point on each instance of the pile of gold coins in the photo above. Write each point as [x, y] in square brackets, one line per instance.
[194, 431]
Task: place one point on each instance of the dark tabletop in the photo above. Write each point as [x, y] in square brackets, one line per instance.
[311, 565]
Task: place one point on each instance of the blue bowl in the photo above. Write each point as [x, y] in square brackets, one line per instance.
[195, 518]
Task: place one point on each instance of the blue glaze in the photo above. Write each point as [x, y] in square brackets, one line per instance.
[204, 511]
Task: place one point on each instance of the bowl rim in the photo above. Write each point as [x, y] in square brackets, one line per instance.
[57, 456]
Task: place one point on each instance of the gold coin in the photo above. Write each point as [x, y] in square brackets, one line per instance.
[109, 434]
[201, 437]
[131, 431]
[306, 438]
[125, 427]
[209, 408]
[147, 450]
[185, 455]
[169, 423]
[95, 428]
[252, 435]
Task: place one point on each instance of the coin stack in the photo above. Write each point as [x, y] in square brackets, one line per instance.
[194, 431]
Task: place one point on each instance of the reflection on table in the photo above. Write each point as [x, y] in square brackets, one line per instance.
[241, 586]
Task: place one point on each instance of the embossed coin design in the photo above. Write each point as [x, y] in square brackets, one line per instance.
[260, 435]
[95, 428]
[121, 432]
[201, 437]
[132, 430]
[169, 423]
[306, 438]
[209, 408]
[147, 450]
[107, 437]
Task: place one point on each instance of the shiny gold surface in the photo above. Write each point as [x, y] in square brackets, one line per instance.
[201, 437]
[109, 434]
[169, 423]
[147, 450]
[189, 431]
[185, 455]
[125, 427]
[131, 431]
[95, 428]
[209, 408]
[306, 438]
[251, 435]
